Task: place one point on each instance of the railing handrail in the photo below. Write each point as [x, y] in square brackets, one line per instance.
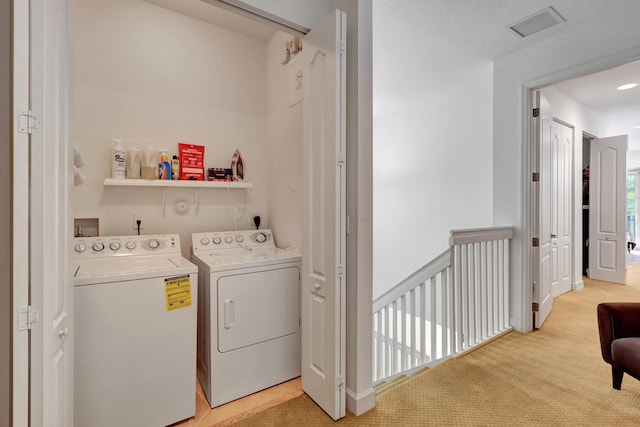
[475, 235]
[442, 261]
[435, 266]
[456, 301]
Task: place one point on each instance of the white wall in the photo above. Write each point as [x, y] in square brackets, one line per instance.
[284, 145]
[583, 51]
[432, 142]
[633, 160]
[150, 75]
[582, 119]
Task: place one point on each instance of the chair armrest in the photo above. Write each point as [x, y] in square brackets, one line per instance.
[617, 320]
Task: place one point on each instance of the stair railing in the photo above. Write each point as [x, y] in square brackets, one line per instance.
[454, 303]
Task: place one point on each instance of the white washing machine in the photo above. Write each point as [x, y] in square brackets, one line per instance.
[248, 313]
[135, 331]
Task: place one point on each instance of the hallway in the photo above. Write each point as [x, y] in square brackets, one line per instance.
[553, 376]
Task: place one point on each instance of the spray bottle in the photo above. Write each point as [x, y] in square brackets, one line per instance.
[164, 167]
[118, 159]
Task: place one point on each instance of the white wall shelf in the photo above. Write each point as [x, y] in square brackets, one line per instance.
[110, 182]
[197, 186]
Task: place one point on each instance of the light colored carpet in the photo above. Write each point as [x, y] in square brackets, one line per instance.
[552, 377]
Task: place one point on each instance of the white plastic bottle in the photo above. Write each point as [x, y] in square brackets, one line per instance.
[118, 159]
[133, 163]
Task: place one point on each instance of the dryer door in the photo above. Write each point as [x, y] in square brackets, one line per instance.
[257, 307]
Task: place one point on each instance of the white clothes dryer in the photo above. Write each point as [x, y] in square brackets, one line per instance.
[135, 331]
[248, 313]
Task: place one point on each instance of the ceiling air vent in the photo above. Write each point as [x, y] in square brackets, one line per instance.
[537, 22]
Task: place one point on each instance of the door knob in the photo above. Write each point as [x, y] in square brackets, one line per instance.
[317, 286]
[553, 236]
[63, 332]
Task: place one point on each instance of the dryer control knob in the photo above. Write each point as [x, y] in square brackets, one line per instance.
[114, 246]
[130, 245]
[204, 241]
[217, 240]
[80, 247]
[154, 244]
[239, 239]
[261, 237]
[98, 246]
[228, 239]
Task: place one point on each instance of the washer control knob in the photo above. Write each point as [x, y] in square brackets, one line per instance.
[80, 247]
[114, 246]
[239, 239]
[98, 246]
[204, 241]
[130, 245]
[228, 239]
[217, 240]
[154, 244]
[261, 237]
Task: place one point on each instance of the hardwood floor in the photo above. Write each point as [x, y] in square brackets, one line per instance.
[242, 408]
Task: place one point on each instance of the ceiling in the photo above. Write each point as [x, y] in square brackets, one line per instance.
[598, 92]
[479, 30]
[218, 16]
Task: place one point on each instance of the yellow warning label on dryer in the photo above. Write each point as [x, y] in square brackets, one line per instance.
[178, 291]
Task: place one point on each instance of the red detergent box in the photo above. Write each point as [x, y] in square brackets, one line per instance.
[191, 161]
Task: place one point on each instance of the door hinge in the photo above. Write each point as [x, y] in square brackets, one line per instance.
[339, 382]
[535, 242]
[27, 122]
[340, 48]
[26, 317]
[535, 307]
[536, 177]
[536, 112]
[340, 271]
[340, 160]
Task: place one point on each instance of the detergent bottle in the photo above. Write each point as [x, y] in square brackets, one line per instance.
[164, 168]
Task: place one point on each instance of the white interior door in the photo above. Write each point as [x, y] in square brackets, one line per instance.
[323, 256]
[607, 209]
[542, 206]
[51, 388]
[561, 211]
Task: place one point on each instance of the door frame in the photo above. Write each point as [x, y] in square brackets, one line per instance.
[20, 221]
[360, 392]
[636, 172]
[527, 89]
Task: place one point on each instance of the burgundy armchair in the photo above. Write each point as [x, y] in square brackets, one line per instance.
[619, 327]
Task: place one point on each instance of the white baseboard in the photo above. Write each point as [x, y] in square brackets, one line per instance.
[578, 286]
[360, 403]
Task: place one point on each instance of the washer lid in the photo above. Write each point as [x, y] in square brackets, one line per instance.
[129, 268]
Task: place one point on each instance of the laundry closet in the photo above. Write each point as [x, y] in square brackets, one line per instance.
[152, 76]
